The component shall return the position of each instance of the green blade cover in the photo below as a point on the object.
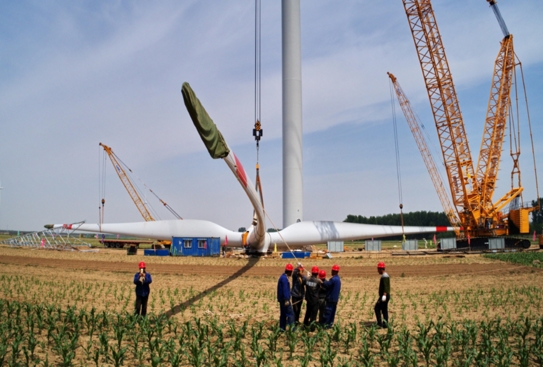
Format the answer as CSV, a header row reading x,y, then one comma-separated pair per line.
x,y
211,136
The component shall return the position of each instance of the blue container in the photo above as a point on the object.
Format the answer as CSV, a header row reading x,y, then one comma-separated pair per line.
x,y
297,254
159,252
195,246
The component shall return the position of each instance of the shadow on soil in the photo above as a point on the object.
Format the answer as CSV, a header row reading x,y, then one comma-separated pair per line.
x,y
182,306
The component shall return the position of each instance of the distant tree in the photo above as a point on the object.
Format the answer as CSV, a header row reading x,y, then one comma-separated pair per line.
x,y
537,217
242,229
420,218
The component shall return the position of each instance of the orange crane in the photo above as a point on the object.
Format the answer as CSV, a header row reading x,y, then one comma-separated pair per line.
x,y
471,189
145,213
413,123
129,186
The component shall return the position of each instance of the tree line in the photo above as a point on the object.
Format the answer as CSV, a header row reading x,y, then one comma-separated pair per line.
x,y
421,218
426,218
537,217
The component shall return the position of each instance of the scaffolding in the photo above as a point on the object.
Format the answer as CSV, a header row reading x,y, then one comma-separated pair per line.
x,y
49,239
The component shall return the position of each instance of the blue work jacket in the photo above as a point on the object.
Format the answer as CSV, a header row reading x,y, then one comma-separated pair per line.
x,y
142,289
333,287
283,289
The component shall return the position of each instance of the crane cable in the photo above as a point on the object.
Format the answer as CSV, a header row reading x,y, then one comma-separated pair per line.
x,y
397,148
257,130
531,136
101,186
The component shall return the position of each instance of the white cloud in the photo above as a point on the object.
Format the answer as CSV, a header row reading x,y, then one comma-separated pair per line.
x,y
76,74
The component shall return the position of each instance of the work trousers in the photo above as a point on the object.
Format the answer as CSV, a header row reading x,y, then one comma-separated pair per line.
x,y
141,305
322,308
297,307
286,315
329,314
381,307
311,314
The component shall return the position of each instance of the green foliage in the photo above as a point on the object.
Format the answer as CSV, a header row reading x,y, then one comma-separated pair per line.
x,y
126,339
537,217
422,218
524,258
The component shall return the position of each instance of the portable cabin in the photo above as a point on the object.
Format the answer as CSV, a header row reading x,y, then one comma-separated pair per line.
x,y
195,246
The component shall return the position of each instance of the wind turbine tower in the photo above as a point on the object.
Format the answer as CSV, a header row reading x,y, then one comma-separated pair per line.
x,y
292,113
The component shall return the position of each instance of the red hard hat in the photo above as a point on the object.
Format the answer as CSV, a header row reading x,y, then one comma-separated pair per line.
x,y
335,267
315,270
289,267
142,265
381,265
322,274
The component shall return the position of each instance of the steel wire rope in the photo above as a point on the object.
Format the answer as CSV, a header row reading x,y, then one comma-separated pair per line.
x,y
257,130
279,233
101,186
531,135
138,190
397,150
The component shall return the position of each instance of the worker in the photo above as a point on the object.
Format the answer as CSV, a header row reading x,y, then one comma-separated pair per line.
x,y
286,314
142,279
384,296
322,296
333,289
312,288
298,291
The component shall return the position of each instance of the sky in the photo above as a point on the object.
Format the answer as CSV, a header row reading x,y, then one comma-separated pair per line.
x,y
77,73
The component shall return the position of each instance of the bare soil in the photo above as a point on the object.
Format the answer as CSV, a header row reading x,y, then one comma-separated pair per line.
x,y
252,271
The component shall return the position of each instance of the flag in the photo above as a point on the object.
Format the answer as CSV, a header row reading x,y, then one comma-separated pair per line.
x,y
435,240
205,245
534,236
226,240
469,242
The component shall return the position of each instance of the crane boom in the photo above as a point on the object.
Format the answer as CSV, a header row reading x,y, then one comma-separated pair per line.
x,y
498,14
472,190
495,127
128,184
426,155
446,110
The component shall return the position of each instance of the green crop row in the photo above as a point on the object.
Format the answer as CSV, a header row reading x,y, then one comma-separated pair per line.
x,y
524,258
47,335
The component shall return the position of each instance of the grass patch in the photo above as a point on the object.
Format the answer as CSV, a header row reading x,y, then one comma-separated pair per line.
x,y
525,258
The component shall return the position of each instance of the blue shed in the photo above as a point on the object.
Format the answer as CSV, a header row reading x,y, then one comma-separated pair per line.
x,y
195,246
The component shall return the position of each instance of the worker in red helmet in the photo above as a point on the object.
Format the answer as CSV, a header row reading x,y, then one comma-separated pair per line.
x,y
312,288
298,291
286,314
333,289
322,296
381,307
142,279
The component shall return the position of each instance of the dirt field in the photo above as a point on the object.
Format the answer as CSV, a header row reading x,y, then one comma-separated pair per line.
x,y
113,269
425,289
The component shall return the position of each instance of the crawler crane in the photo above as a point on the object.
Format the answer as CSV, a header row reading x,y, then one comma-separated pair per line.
x,y
131,189
426,155
471,188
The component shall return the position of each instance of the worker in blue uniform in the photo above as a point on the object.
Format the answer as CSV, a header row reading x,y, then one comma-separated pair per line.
x,y
142,279
333,289
298,291
286,313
